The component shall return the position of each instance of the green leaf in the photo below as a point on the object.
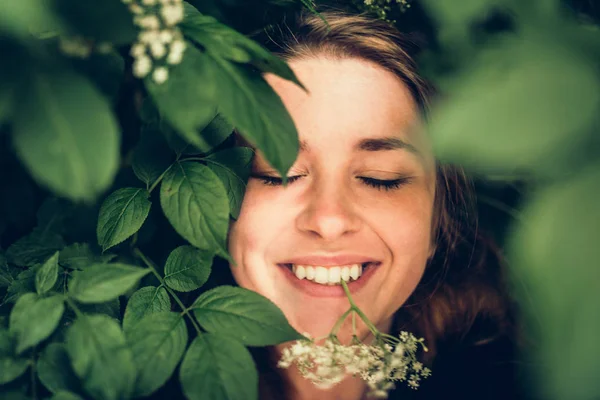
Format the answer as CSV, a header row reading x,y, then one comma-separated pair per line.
x,y
151,156
228,43
243,314
46,276
556,268
11,367
101,358
81,256
158,343
195,202
147,300
91,22
217,130
34,248
111,308
187,268
103,282
20,17
192,85
216,368
65,147
33,319
212,135
55,371
122,214
66,396
176,142
507,114
23,283
232,166
258,113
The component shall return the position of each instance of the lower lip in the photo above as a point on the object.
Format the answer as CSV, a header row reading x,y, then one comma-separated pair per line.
x,y
318,290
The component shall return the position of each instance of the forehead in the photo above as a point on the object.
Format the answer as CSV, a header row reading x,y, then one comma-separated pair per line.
x,y
348,99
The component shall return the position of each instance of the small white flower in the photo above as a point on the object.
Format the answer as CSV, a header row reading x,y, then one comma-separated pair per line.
x,y
379,394
158,50
142,66
160,75
166,36
172,13
148,22
138,50
178,45
148,36
148,2
174,57
413,384
136,9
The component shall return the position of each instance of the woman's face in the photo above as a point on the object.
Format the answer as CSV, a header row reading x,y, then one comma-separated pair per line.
x,y
359,201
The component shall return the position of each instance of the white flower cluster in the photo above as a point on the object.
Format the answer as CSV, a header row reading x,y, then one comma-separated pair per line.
x,y
379,365
401,2
383,7
160,42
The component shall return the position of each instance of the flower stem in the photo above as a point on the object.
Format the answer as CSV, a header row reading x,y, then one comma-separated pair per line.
x,y
157,181
357,310
347,291
74,307
184,310
339,322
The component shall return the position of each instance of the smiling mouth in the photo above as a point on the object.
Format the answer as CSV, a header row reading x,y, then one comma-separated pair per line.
x,y
330,275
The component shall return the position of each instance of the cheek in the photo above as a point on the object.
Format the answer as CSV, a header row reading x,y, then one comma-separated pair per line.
x,y
259,222
406,231
405,222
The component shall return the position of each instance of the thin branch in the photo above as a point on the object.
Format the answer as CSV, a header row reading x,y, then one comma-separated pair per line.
x,y
184,310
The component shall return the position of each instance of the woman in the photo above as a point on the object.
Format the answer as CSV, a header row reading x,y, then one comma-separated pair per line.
x,y
367,202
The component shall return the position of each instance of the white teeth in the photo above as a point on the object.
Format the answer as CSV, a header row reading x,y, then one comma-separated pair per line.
x,y
334,275
346,273
321,275
355,271
300,272
328,276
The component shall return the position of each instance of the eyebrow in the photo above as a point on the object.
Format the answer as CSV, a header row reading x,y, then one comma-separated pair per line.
x,y
376,144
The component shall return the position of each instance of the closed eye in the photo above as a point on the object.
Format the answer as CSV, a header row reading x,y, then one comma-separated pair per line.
x,y
274,180
380,184
383,184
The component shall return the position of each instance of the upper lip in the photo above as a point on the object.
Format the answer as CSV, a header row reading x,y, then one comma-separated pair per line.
x,y
329,260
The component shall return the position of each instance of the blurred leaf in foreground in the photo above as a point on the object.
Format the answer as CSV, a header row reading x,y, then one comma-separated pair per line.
x,y
557,254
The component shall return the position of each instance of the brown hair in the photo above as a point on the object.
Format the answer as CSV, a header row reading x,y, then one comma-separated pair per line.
x,y
463,284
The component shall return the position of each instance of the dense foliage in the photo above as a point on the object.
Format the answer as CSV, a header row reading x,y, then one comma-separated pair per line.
x,y
119,179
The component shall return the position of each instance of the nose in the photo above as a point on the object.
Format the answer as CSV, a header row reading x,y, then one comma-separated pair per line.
x,y
329,213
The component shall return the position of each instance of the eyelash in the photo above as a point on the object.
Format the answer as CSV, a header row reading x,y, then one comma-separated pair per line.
x,y
378,184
